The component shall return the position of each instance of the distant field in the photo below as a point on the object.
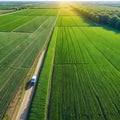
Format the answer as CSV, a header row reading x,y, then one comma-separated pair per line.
x,y
66,12
25,20
5,11
46,5
38,12
32,25
72,21
6,7
10,22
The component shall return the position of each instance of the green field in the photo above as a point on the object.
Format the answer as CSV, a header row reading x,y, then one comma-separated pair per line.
x,y
80,74
85,82
18,50
72,21
37,12
5,11
85,76
32,25
25,20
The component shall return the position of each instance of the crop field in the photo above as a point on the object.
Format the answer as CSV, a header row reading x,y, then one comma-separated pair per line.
x,y
69,18
5,11
38,12
19,46
10,22
25,20
66,12
32,25
85,82
80,74
45,5
72,21
11,5
85,75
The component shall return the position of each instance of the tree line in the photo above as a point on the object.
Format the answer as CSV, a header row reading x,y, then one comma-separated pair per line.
x,y
102,16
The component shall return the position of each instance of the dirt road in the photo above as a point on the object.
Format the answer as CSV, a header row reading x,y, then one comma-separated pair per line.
x,y
23,111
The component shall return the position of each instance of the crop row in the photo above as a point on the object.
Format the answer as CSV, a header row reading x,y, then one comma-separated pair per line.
x,y
107,43
85,84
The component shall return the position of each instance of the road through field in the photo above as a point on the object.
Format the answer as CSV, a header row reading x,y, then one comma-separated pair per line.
x,y
23,111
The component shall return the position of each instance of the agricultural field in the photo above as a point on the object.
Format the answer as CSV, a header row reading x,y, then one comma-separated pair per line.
x,y
32,25
37,12
5,11
85,82
72,21
69,18
80,75
85,79
6,5
45,5
22,38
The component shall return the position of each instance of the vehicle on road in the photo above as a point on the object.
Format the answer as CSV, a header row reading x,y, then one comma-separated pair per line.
x,y
33,80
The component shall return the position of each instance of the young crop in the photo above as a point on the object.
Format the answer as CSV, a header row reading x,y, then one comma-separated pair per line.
x,y
85,77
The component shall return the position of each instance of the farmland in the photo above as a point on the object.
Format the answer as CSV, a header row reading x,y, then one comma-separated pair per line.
x,y
5,11
19,47
85,82
85,79
80,74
